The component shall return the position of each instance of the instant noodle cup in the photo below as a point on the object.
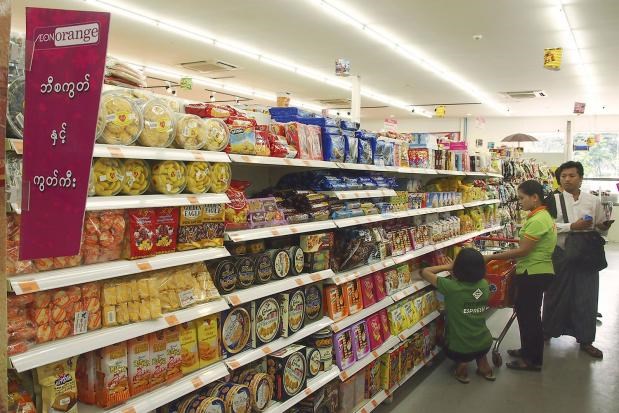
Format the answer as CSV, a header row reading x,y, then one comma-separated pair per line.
x,y
108,175
123,119
221,176
159,124
217,134
199,177
137,177
191,132
169,177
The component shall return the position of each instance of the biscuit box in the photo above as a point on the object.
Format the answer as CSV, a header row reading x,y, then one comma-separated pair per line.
x,y
292,306
288,367
266,321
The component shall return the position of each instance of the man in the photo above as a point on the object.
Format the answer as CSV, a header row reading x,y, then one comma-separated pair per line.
x,y
570,305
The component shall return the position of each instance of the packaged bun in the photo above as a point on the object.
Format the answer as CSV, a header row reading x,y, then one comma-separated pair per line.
x,y
123,119
217,133
191,132
159,124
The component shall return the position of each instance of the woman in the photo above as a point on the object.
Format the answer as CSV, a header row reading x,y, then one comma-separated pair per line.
x,y
534,272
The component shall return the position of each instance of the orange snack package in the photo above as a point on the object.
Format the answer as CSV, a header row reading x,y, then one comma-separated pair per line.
x,y
158,358
173,353
112,381
139,365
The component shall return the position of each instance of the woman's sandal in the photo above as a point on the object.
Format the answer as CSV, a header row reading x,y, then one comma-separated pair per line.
x,y
488,376
592,351
462,379
515,353
523,366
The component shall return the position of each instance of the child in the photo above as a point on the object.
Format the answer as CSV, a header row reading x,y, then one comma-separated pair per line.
x,y
466,301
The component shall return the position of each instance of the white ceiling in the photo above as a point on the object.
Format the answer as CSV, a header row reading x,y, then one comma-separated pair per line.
x,y
508,58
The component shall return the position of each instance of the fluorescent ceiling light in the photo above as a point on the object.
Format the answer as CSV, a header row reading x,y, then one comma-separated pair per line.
x,y
353,18
244,50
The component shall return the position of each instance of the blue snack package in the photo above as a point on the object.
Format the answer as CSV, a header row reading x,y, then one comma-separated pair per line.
x,y
351,183
366,182
330,130
349,125
290,111
379,159
347,213
347,132
388,154
366,151
333,148
352,149
327,183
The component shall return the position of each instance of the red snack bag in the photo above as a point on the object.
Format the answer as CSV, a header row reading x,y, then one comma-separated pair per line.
x,y
367,291
166,230
379,286
241,121
295,133
263,147
278,128
86,375
375,331
280,148
237,210
384,323
140,238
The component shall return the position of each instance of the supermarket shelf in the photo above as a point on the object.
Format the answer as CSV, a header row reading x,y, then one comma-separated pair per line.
x,y
261,233
342,277
145,152
413,254
313,385
361,315
360,364
370,193
418,326
259,291
248,356
57,350
272,161
418,285
48,280
494,175
166,394
97,203
368,219
484,202
416,171
448,172
414,371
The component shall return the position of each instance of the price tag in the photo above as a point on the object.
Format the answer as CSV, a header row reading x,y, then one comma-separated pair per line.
x,y
274,232
144,266
308,391
266,350
235,300
374,403
197,382
186,298
245,158
28,286
192,199
198,156
316,277
80,323
115,152
172,320
299,282
233,364
374,354
344,376
128,409
363,410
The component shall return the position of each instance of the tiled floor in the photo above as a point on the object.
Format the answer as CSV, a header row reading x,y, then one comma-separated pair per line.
x,y
571,381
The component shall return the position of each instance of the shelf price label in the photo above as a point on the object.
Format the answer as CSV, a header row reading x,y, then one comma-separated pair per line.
x,y
65,59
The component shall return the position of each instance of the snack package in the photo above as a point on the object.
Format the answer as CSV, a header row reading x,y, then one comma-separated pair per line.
x,y
344,354
237,210
221,176
352,297
137,177
380,289
104,232
159,124
263,147
384,323
108,175
112,381
374,331
86,375
191,228
140,238
361,344
367,291
209,340
191,132
58,386
189,348
169,177
213,225
242,140
122,117
295,134
217,135
334,148
13,264
166,229
173,353
139,365
157,346
264,212
198,177
22,331
209,110
366,151
352,149
313,142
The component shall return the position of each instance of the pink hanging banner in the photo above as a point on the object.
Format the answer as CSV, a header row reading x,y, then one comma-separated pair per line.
x,y
65,61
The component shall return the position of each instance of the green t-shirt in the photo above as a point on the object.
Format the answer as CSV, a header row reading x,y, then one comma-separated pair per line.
x,y
466,304
539,227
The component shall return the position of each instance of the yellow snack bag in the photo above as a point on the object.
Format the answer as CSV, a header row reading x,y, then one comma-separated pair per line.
x,y
209,349
189,348
58,386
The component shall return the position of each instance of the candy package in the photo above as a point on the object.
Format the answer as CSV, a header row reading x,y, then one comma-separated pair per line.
x,y
334,148
213,225
191,228
264,212
141,237
166,230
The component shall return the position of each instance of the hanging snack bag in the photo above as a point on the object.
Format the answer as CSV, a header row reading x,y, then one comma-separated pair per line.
x,y
140,239
112,381
58,386
166,229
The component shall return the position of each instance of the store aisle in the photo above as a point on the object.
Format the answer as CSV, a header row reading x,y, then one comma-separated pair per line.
x,y
571,381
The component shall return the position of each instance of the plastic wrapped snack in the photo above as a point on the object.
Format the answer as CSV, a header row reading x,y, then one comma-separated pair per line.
x,y
221,175
191,132
123,120
13,264
169,177
159,124
103,236
109,175
15,107
217,134
198,177
137,177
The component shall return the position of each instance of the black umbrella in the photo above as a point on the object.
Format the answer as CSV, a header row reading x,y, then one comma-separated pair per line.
x,y
519,137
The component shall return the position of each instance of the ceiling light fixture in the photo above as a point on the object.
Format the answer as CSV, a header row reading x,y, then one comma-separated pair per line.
x,y
242,49
353,18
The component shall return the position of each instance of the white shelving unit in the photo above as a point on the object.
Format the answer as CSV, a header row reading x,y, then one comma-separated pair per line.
x,y
360,364
145,152
361,315
166,394
46,353
418,326
261,233
248,356
342,277
259,291
360,194
98,203
47,280
480,203
272,161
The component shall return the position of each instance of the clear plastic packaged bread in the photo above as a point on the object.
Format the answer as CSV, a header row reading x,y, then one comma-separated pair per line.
x,y
169,177
221,175
123,119
191,132
218,135
198,177
159,124
137,177
108,176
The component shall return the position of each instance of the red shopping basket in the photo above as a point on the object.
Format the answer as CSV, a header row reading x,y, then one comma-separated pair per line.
x,y
499,275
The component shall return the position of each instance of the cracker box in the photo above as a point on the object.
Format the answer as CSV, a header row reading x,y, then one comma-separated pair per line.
x,y
112,375
374,331
360,338
384,323
173,353
334,302
343,345
396,319
418,343
352,297
139,365
379,286
372,379
288,367
189,347
209,340
367,291
158,358
392,281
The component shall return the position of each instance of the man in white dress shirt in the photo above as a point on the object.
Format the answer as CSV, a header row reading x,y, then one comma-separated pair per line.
x,y
570,304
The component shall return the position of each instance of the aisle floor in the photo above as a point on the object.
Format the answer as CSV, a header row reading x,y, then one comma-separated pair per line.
x,y
571,381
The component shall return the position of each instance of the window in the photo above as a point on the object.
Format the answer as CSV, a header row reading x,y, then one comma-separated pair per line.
x,y
599,154
546,143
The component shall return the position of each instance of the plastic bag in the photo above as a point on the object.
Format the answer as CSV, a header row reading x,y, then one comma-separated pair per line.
x,y
103,236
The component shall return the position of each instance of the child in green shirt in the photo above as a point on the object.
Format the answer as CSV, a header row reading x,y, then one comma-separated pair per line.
x,y
466,302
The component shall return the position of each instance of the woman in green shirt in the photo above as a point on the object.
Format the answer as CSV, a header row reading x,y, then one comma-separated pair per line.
x,y
466,302
534,273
